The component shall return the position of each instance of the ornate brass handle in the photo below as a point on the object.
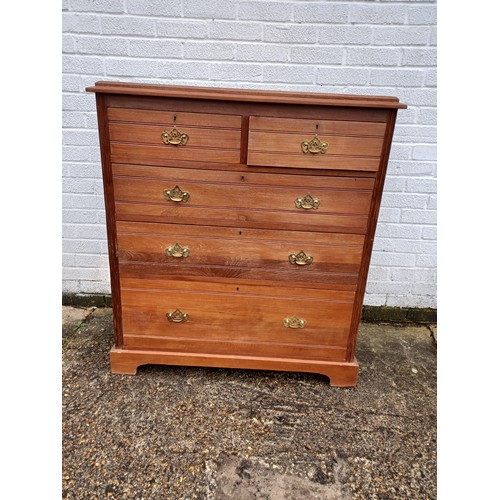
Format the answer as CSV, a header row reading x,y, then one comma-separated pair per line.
x,y
314,146
300,259
294,322
177,316
307,202
177,251
176,194
174,137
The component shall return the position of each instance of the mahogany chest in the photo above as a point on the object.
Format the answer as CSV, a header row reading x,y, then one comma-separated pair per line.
x,y
240,224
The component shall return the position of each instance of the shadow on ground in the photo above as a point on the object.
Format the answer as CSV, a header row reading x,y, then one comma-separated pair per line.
x,y
197,433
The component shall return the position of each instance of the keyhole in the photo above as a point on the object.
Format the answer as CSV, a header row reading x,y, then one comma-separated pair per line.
x,y
242,178
175,118
317,126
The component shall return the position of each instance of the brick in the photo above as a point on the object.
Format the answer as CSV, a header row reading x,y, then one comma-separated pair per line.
x,y
109,6
419,216
72,83
431,78
286,33
91,120
80,137
373,56
432,203
157,8
82,64
419,57
378,14
184,70
394,184
90,170
84,201
73,119
89,260
226,30
325,12
371,299
343,76
182,29
424,153
397,77
416,168
75,153
405,246
389,214
398,231
378,274
209,50
433,36
418,97
423,289
288,73
262,52
265,11
80,23
400,152
168,49
388,287
234,71
421,186
393,259
78,102
401,35
131,67
344,35
214,9
79,216
77,185
321,55
84,231
422,14
429,233
426,261
400,200
101,45
68,44
128,26
427,116
415,133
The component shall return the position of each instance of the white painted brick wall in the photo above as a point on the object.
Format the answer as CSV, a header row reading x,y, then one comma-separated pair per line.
x,y
378,47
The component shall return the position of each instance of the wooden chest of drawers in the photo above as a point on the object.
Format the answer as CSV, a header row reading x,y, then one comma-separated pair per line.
x,y
240,224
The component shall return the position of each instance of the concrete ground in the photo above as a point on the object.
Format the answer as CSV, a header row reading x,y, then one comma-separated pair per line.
x,y
196,433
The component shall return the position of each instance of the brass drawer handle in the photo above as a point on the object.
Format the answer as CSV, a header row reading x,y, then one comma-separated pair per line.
x,y
174,137
177,316
176,194
307,202
177,251
300,259
314,146
294,322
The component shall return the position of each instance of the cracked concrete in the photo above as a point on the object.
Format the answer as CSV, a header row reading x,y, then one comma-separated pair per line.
x,y
199,433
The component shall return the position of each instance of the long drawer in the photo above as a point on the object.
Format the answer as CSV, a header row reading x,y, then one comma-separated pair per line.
x,y
274,319
233,198
208,251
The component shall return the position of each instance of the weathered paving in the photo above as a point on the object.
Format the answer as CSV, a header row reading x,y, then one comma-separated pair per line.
x,y
196,433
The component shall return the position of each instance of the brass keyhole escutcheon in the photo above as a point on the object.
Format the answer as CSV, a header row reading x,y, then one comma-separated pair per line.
x,y
176,195
294,322
300,259
307,202
177,316
177,251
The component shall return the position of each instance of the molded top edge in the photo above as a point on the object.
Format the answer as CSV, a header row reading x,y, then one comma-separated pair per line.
x,y
249,95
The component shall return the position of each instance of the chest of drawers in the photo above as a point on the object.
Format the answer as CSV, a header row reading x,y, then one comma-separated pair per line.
x,y
240,224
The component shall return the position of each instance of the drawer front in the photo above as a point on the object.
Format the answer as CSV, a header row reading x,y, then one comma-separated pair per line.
x,y
318,144
144,136
255,314
238,198
242,254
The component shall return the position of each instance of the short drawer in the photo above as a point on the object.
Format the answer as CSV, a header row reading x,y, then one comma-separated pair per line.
x,y
242,198
147,136
276,320
317,144
196,252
